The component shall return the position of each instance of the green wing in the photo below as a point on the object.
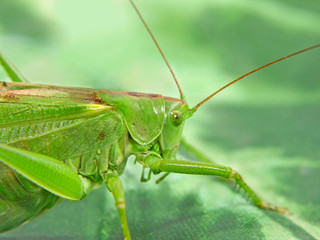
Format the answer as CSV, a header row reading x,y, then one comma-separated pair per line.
x,y
70,125
64,123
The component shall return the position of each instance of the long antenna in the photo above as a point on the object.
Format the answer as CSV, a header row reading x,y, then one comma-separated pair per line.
x,y
249,73
162,54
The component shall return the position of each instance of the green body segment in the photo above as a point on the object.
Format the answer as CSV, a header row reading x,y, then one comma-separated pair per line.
x,y
92,132
20,199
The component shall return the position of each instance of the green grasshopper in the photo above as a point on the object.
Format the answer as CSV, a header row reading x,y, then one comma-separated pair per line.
x,y
60,143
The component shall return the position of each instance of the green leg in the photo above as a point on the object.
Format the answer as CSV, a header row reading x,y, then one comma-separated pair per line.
x,y
200,168
160,179
114,185
143,178
13,73
49,173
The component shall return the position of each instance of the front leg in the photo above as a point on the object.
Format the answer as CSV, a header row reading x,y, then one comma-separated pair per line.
x,y
114,185
200,168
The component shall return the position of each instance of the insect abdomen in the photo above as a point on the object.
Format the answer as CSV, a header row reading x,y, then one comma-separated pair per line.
x,y
20,199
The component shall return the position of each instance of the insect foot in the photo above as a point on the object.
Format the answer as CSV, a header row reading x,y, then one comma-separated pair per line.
x,y
253,196
272,207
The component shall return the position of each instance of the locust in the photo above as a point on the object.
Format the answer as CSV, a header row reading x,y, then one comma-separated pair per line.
x,y
60,143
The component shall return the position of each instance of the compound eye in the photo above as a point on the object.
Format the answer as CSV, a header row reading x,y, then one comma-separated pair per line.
x,y
176,117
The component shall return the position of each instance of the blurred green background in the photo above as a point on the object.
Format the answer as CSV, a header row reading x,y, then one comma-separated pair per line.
x,y
266,126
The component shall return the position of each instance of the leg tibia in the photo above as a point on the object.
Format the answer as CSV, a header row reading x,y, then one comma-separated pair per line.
x,y
200,168
253,196
114,185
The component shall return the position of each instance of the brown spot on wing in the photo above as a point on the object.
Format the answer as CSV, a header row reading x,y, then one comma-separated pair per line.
x,y
8,96
97,99
102,135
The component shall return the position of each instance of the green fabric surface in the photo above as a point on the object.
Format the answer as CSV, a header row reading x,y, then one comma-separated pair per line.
x,y
266,126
